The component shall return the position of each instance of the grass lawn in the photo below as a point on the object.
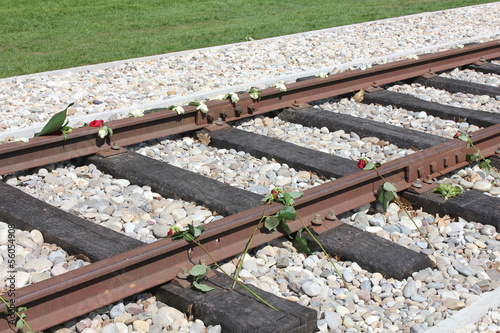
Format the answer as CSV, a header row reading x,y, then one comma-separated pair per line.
x,y
41,35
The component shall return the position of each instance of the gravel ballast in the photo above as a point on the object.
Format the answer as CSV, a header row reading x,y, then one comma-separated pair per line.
x,y
99,91
467,254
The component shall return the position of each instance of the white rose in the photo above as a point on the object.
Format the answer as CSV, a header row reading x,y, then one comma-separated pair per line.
x,y
234,98
179,109
281,86
202,107
102,132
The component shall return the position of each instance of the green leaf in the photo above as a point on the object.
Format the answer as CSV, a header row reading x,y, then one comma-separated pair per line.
x,y
200,229
287,213
178,235
385,197
369,166
390,187
485,165
471,157
296,195
199,270
187,236
271,222
448,190
286,228
202,287
389,196
300,243
19,324
195,231
268,198
440,190
55,123
380,196
287,199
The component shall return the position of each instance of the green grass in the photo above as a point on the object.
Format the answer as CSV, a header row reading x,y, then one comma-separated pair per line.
x,y
41,35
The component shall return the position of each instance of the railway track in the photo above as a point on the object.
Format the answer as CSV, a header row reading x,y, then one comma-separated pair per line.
x,y
122,266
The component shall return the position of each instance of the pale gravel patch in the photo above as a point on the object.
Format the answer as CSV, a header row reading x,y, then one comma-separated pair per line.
x,y
138,313
473,76
28,101
135,211
369,301
461,100
470,177
34,261
236,168
415,120
339,143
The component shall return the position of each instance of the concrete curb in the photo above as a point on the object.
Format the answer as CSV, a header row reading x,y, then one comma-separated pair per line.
x,y
469,314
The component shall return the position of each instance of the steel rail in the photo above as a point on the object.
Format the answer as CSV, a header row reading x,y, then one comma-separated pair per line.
x,y
84,141
75,293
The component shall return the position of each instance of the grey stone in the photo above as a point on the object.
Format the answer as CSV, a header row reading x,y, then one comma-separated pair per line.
x,y
259,189
482,186
392,228
418,298
435,285
282,261
409,289
488,230
421,275
110,328
214,329
38,265
57,254
454,228
197,327
333,319
160,230
366,285
52,179
377,221
462,270
362,219
348,275
117,310
154,329
451,271
453,304
311,289
418,328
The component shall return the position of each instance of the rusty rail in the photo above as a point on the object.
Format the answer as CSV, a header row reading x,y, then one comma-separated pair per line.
x,y
84,141
78,292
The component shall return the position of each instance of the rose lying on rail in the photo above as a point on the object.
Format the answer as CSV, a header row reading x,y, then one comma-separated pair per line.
x,y
58,125
103,130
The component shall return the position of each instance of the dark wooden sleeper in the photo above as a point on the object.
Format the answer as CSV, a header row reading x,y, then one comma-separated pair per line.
x,y
72,233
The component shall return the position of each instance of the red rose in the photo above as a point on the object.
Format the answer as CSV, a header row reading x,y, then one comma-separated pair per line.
x,y
96,123
173,230
456,135
274,193
362,163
